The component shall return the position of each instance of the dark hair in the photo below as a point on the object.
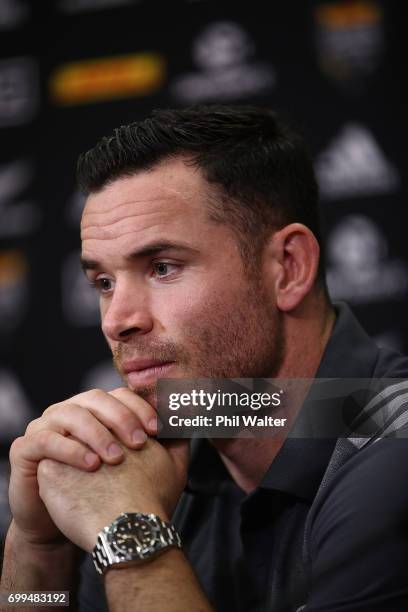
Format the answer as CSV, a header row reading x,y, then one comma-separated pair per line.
x,y
258,167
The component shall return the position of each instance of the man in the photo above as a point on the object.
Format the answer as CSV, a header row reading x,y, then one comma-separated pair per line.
x,y
200,234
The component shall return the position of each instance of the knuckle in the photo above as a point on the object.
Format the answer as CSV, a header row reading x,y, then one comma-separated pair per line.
x,y
62,413
73,452
79,423
32,424
51,409
133,402
126,419
85,420
127,397
43,438
102,438
120,392
129,421
93,394
122,395
45,468
15,448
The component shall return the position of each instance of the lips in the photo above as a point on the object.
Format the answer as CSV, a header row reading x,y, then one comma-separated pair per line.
x,y
146,371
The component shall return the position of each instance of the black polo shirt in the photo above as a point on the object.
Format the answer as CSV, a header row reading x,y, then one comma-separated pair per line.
x,y
247,550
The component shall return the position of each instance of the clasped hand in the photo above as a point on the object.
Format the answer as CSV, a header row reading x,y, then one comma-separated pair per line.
x,y
81,464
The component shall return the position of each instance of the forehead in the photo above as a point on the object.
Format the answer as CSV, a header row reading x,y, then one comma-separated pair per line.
x,y
172,193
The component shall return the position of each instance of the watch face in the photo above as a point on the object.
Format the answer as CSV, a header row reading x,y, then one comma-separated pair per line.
x,y
133,536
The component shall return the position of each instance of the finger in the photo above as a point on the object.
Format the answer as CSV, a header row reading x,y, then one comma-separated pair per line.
x,y
80,423
146,413
116,416
52,445
33,426
108,410
110,406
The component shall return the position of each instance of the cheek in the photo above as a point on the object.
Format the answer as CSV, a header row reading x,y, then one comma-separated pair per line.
x,y
179,320
206,314
183,305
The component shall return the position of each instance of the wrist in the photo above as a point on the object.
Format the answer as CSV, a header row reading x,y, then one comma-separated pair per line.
x,y
142,570
31,564
29,541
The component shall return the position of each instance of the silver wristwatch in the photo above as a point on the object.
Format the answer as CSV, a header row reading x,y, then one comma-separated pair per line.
x,y
131,538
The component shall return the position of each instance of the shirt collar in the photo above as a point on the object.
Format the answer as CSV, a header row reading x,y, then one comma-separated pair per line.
x,y
350,352
301,462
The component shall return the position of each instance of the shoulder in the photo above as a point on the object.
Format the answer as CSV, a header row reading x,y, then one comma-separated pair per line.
x,y
367,494
358,537
390,364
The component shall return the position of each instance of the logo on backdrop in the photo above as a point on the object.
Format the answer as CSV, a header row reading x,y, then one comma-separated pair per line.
x,y
80,302
349,40
13,289
223,53
19,91
12,13
107,78
18,216
353,165
15,411
77,6
359,268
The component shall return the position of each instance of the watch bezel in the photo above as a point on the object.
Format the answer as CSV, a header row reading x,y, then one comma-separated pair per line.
x,y
137,521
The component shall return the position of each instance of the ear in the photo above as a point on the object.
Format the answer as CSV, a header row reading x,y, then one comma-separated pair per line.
x,y
294,255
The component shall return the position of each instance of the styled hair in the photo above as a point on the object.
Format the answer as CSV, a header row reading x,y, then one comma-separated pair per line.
x,y
258,169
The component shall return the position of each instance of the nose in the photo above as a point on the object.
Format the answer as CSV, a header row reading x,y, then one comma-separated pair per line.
x,y
125,314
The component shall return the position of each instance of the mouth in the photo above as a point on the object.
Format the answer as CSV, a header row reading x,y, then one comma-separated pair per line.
x,y
146,372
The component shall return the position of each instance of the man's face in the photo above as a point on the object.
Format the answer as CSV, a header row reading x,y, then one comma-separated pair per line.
x,y
175,298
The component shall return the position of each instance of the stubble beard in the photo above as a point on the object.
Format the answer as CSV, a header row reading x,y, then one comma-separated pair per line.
x,y
239,339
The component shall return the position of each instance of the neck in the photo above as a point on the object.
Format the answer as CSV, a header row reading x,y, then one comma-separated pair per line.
x,y
248,459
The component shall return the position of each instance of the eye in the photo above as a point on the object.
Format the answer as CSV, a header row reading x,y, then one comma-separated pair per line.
x,y
103,284
164,269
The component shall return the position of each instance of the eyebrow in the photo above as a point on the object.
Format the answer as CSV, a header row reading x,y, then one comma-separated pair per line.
x,y
145,251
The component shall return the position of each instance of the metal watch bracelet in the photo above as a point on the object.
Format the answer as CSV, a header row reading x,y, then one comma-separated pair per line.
x,y
165,536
